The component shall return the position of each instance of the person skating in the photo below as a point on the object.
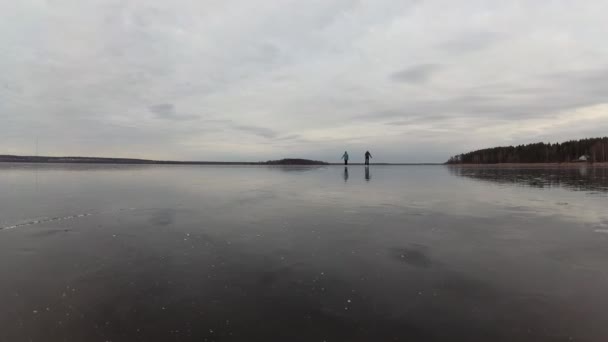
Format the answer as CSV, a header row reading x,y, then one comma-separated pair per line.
x,y
367,156
345,157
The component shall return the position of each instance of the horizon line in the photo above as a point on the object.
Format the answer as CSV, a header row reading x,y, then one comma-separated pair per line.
x,y
125,160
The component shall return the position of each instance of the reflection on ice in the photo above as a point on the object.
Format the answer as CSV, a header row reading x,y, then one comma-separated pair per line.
x,y
581,178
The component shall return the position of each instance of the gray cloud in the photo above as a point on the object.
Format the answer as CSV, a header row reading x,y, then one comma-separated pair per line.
x,y
260,131
163,109
413,120
290,137
546,96
471,42
167,111
420,73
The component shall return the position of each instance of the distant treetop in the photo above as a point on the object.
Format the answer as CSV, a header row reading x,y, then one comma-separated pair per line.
x,y
295,161
592,150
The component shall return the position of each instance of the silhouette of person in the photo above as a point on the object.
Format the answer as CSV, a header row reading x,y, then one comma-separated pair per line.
x,y
367,176
345,174
345,157
367,156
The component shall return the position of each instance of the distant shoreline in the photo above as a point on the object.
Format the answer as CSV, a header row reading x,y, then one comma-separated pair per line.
x,y
61,160
531,165
282,162
134,161
573,151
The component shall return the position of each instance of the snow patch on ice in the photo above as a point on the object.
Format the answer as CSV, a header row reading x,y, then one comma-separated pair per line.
x,y
53,219
45,220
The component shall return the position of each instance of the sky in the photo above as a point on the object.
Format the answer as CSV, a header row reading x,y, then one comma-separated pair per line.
x,y
242,80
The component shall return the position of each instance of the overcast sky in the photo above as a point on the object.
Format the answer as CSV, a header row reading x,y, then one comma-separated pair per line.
x,y
412,81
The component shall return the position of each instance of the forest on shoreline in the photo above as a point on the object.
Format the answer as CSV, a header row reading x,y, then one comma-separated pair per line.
x,y
584,150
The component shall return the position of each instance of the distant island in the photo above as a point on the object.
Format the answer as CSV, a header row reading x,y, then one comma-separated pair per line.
x,y
97,160
290,161
593,150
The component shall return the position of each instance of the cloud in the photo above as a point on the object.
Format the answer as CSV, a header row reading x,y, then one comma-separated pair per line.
x,y
415,74
163,109
290,137
260,131
471,42
166,111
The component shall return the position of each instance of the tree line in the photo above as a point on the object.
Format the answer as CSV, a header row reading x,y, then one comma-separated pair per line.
x,y
594,149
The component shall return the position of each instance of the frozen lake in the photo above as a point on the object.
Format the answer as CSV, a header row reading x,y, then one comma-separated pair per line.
x,y
255,253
